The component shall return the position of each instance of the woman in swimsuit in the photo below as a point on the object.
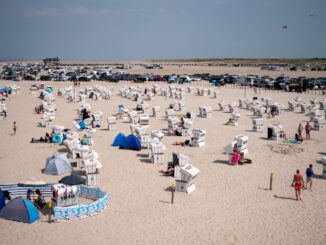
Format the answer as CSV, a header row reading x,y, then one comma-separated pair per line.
x,y
300,129
298,184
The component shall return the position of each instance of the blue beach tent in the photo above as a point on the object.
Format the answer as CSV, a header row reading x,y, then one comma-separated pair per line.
x,y
131,143
118,139
19,209
2,200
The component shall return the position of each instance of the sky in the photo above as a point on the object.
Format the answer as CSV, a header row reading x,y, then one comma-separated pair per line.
x,y
161,29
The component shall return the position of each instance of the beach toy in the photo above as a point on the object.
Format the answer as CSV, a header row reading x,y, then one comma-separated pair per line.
x,y
82,124
56,138
49,90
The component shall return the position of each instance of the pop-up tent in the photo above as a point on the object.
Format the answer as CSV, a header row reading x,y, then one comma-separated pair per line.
x,y
20,209
58,164
118,139
131,143
2,200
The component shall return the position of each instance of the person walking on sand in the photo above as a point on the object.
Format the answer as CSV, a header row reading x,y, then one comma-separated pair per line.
x,y
300,129
308,129
309,174
298,184
14,128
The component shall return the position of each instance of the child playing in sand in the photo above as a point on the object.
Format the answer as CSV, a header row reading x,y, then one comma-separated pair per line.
x,y
309,174
14,128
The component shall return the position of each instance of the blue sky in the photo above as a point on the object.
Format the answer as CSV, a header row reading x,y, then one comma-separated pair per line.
x,y
162,29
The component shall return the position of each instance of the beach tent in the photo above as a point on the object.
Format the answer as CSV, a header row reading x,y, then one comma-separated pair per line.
x,y
57,164
73,180
2,200
118,139
131,143
20,209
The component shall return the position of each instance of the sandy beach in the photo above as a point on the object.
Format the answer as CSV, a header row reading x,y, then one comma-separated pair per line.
x,y
232,204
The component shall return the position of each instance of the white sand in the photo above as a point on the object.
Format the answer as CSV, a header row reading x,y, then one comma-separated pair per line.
x,y
230,206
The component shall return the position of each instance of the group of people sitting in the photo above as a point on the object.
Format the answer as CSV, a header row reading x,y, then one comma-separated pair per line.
x,y
39,201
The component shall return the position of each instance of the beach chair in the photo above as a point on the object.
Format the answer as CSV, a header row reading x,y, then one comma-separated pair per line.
x,y
319,123
156,152
234,118
143,119
257,124
156,111
232,106
221,105
188,174
157,134
323,161
179,160
112,123
198,137
133,116
275,131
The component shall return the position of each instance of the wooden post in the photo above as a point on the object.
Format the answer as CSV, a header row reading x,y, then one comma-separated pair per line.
x,y
172,192
271,181
49,211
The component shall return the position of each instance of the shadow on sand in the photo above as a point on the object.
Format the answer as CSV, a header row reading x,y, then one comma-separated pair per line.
x,y
285,198
222,162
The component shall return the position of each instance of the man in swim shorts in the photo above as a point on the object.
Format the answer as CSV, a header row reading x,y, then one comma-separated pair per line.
x,y
298,184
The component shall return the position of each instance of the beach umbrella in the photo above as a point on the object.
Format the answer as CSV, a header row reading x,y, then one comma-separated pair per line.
x,y
73,180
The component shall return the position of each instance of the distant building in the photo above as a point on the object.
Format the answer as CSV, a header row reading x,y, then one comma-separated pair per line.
x,y
51,61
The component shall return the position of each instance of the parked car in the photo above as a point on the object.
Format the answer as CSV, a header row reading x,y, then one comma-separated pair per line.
x,y
158,78
216,80
299,84
45,78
